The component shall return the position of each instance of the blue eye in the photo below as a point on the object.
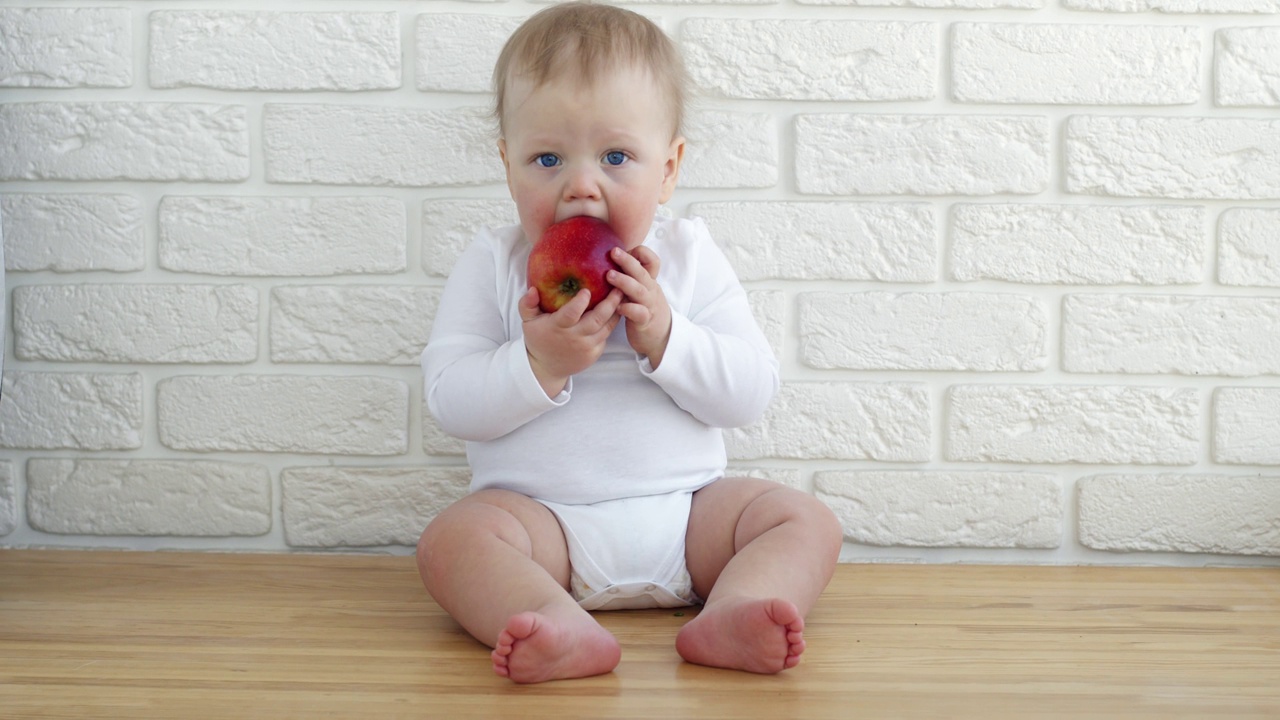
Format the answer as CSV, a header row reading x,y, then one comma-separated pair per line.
x,y
615,157
547,160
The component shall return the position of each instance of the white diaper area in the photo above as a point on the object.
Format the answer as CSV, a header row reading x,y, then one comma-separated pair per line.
x,y
628,554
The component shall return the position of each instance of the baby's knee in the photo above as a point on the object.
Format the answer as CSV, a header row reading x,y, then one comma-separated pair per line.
x,y
445,537
812,513
429,550
829,527
466,524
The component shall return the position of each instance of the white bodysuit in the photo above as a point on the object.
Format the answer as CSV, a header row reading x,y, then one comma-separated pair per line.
x,y
619,452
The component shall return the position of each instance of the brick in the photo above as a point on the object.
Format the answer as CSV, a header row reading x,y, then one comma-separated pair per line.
x,y
945,509
730,150
1207,158
941,4
1073,423
136,323
1176,6
811,59
1246,426
385,324
376,145
921,154
700,3
457,52
74,411
790,477
1246,67
769,307
73,233
66,47
1249,247
280,413
1187,335
449,226
282,236
983,332
895,242
365,506
840,421
1077,244
231,50
1075,64
8,507
435,441
1222,514
124,141
148,497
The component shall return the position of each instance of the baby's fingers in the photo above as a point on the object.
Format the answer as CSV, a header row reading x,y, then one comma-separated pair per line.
x,y
630,265
629,285
607,308
571,312
636,314
528,305
648,260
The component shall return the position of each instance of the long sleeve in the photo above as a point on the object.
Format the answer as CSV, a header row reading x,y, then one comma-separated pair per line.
x,y
477,378
718,365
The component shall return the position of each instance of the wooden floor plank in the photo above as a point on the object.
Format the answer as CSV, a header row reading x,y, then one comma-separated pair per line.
x,y
186,635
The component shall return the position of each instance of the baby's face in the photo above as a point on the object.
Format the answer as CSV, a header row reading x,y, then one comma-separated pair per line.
x,y
604,150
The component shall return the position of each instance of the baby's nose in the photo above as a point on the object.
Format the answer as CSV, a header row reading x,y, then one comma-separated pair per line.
x,y
582,184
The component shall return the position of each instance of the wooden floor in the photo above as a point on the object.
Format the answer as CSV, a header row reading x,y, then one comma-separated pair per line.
x,y
167,635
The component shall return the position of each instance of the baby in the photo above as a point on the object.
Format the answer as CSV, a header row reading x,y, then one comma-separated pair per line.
x,y
594,437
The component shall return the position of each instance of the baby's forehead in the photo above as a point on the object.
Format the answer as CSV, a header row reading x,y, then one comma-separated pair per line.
x,y
523,84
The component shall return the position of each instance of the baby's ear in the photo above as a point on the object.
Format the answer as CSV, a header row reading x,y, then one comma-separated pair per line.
x,y
671,169
506,161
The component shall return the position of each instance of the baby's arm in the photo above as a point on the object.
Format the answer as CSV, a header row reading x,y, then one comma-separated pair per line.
x,y
477,381
483,379
717,364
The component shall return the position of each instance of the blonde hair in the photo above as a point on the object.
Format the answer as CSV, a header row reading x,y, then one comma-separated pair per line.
x,y
589,39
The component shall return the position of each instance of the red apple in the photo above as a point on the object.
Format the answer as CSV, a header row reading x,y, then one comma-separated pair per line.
x,y
572,255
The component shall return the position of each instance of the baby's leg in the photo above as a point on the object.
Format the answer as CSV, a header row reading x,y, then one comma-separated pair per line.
x,y
497,562
760,554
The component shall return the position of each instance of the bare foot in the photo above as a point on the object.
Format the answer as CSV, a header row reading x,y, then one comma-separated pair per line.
x,y
536,647
759,636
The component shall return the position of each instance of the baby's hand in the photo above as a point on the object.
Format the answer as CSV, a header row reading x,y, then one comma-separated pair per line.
x,y
568,341
646,310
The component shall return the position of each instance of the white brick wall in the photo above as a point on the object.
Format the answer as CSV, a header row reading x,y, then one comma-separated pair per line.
x,y
772,60
148,497
251,236
1249,247
873,154
981,332
169,141
1075,64
74,411
1247,66
946,509
274,51
1111,425
95,232
1078,244
66,47
353,506
1208,158
1019,260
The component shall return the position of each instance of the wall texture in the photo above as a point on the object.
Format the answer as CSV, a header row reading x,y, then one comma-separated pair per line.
x,y
1020,260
